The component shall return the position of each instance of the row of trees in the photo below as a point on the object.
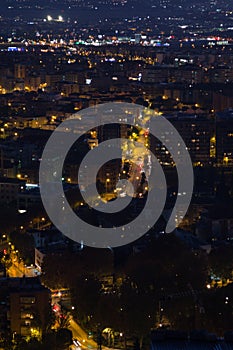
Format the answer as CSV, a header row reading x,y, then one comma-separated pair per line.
x,y
165,282
56,340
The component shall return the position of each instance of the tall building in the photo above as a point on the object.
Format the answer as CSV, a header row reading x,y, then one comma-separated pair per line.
x,y
26,306
199,137
109,173
224,138
20,71
10,189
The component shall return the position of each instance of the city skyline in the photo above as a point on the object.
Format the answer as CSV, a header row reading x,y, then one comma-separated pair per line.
x,y
163,71
100,9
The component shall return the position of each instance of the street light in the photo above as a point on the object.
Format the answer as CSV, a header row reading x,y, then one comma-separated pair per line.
x,y
107,182
99,339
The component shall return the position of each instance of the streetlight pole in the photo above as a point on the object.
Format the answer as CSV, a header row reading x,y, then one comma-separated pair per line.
x,y
99,339
107,182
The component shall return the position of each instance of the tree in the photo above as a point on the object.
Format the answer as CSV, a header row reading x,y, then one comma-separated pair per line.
x,y
218,309
61,269
108,311
85,294
137,311
221,262
166,267
98,262
167,264
63,339
24,243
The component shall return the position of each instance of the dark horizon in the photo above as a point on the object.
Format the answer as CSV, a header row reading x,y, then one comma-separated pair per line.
x,y
86,11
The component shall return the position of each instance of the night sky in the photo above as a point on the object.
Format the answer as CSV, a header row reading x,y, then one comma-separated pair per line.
x,y
85,9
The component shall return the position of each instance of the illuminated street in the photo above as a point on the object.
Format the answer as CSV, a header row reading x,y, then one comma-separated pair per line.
x,y
80,335
18,269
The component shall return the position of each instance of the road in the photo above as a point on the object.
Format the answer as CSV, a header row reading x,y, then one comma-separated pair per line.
x,y
139,157
82,337
18,268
